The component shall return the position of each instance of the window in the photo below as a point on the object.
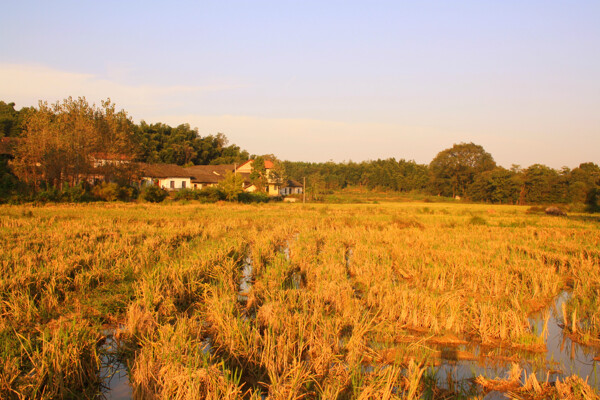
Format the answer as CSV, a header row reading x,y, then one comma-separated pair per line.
x,y
172,184
183,185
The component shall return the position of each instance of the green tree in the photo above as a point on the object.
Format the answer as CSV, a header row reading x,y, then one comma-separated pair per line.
x,y
315,186
232,186
161,143
542,184
454,169
11,120
496,186
258,176
277,174
582,181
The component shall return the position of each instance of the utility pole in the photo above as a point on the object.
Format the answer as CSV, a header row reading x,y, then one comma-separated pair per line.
x,y
304,191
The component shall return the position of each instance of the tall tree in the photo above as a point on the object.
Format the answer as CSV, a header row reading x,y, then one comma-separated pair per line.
x,y
60,141
542,184
11,120
454,169
496,186
583,180
161,143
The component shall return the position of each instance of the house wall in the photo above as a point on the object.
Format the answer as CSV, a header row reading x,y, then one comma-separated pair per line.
x,y
178,183
165,183
246,168
285,191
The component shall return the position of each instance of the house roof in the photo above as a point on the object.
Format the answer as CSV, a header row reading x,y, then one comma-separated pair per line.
x,y
164,171
268,164
293,183
209,173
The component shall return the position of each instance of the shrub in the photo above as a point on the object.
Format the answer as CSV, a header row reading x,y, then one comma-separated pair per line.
x,y
48,195
186,194
154,194
76,194
210,195
592,200
255,197
106,191
112,192
477,220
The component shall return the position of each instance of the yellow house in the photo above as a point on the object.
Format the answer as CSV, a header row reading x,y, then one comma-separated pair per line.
x,y
273,187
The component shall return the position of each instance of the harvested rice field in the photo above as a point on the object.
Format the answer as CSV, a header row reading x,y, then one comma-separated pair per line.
x,y
292,301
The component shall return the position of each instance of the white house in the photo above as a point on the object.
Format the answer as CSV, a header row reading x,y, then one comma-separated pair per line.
x,y
166,176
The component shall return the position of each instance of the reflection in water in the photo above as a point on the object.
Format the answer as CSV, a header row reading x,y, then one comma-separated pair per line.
x,y
569,357
113,373
207,347
563,357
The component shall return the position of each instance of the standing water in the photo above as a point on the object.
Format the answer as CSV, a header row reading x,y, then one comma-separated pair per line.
x,y
569,357
562,358
246,279
115,380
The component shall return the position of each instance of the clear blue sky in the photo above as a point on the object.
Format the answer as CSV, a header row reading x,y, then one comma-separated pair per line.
x,y
320,80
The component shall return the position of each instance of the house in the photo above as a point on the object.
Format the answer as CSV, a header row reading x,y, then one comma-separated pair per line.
x,y
291,187
208,175
109,159
272,187
175,177
166,176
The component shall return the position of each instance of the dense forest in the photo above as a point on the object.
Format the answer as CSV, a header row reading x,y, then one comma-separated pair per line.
x,y
465,171
60,138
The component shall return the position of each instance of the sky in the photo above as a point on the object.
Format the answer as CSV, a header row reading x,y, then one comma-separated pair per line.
x,y
326,80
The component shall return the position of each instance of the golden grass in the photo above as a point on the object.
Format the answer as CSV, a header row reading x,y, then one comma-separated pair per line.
x,y
347,301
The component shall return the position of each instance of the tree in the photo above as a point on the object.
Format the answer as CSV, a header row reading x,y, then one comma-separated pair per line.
x,y
11,120
232,185
161,143
496,186
277,174
315,186
258,176
454,169
542,184
583,180
60,140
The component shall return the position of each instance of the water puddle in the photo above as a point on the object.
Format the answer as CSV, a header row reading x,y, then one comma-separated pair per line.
x,y
207,346
562,358
569,357
113,372
246,279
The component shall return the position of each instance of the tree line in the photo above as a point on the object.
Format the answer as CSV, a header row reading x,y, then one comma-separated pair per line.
x,y
464,171
56,142
151,143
